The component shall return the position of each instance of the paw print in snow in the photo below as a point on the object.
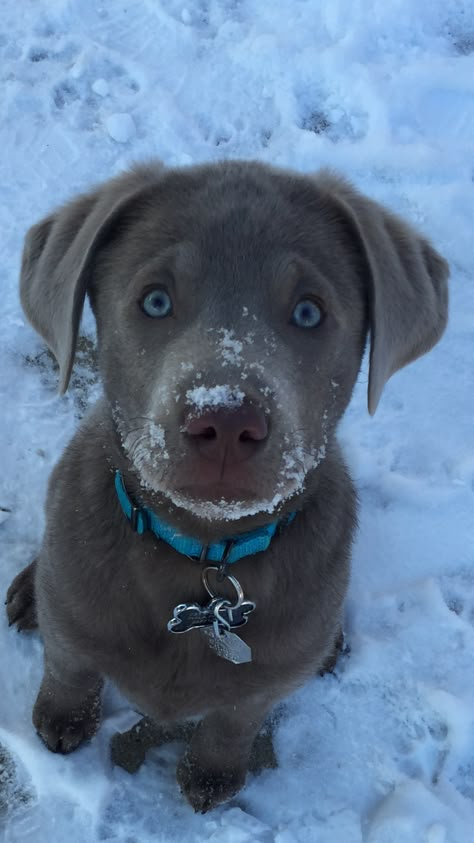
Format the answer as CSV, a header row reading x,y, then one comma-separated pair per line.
x,y
422,748
458,593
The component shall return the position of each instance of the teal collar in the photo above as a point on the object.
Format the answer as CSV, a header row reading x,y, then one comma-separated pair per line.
x,y
228,551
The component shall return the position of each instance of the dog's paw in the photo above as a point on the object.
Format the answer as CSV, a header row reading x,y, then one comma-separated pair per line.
x,y
62,731
20,602
205,789
341,648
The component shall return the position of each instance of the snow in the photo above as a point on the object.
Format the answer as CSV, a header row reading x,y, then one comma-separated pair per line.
x,y
229,509
382,751
4,513
120,127
145,444
100,87
229,348
221,395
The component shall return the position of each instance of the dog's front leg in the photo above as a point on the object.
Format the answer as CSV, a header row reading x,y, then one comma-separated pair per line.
x,y
215,764
68,707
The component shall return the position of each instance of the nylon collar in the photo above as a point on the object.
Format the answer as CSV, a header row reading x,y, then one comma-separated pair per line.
x,y
229,550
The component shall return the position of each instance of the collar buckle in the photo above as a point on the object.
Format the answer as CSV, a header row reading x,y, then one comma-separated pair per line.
x,y
229,544
139,520
222,569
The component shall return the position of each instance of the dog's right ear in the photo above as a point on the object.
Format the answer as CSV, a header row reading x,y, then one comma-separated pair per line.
x,y
58,255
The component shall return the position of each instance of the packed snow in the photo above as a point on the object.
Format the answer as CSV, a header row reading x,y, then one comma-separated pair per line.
x,y
382,751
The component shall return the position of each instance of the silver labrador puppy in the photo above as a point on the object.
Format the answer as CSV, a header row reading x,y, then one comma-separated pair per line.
x,y
205,493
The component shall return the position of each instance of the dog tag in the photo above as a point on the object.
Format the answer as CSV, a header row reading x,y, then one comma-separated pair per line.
x,y
216,620
228,645
225,643
188,616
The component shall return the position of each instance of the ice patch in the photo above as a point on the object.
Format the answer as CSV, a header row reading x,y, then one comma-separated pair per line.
x,y
215,396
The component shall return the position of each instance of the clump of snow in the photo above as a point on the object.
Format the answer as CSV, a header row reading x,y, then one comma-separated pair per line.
x,y
157,436
221,395
294,466
144,443
120,127
229,348
100,87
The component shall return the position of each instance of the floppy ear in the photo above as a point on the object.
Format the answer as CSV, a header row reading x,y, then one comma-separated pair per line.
x,y
407,285
57,259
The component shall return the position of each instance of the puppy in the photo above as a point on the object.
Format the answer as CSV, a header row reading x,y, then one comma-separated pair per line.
x,y
199,524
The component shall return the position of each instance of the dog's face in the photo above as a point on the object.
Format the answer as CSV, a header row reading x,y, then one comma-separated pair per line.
x,y
233,303
232,320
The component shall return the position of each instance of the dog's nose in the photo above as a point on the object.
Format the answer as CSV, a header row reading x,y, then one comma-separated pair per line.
x,y
230,434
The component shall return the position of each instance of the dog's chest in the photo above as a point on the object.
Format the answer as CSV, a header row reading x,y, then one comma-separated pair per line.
x,y
179,677
176,675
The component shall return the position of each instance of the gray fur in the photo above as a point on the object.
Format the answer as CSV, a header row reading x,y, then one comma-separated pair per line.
x,y
237,244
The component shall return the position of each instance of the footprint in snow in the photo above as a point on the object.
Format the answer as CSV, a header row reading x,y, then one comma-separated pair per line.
x,y
423,749
458,594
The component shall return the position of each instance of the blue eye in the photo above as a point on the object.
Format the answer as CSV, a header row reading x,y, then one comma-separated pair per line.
x,y
157,303
306,314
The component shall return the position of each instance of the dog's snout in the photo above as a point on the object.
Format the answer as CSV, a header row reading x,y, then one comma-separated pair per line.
x,y
230,434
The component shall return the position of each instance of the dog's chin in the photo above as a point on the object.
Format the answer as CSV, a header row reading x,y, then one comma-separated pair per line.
x,y
217,493
218,509
222,504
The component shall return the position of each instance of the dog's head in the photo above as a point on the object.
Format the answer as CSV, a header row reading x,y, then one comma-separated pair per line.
x,y
233,302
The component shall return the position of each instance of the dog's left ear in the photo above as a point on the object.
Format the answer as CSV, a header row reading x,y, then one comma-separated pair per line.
x,y
407,284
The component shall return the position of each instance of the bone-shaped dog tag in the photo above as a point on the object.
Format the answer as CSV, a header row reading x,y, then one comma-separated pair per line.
x,y
190,616
185,616
233,616
216,620
228,645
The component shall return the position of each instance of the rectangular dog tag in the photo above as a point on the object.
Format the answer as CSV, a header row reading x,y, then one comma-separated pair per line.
x,y
228,645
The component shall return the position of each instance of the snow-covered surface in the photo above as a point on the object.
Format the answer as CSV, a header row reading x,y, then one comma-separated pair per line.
x,y
382,752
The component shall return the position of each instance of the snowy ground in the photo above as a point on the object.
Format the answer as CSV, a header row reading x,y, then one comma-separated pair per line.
x,y
383,752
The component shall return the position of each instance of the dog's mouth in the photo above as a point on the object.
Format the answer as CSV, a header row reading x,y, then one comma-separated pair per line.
x,y
227,501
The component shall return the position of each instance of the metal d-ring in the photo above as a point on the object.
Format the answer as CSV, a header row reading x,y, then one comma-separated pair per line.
x,y
233,580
